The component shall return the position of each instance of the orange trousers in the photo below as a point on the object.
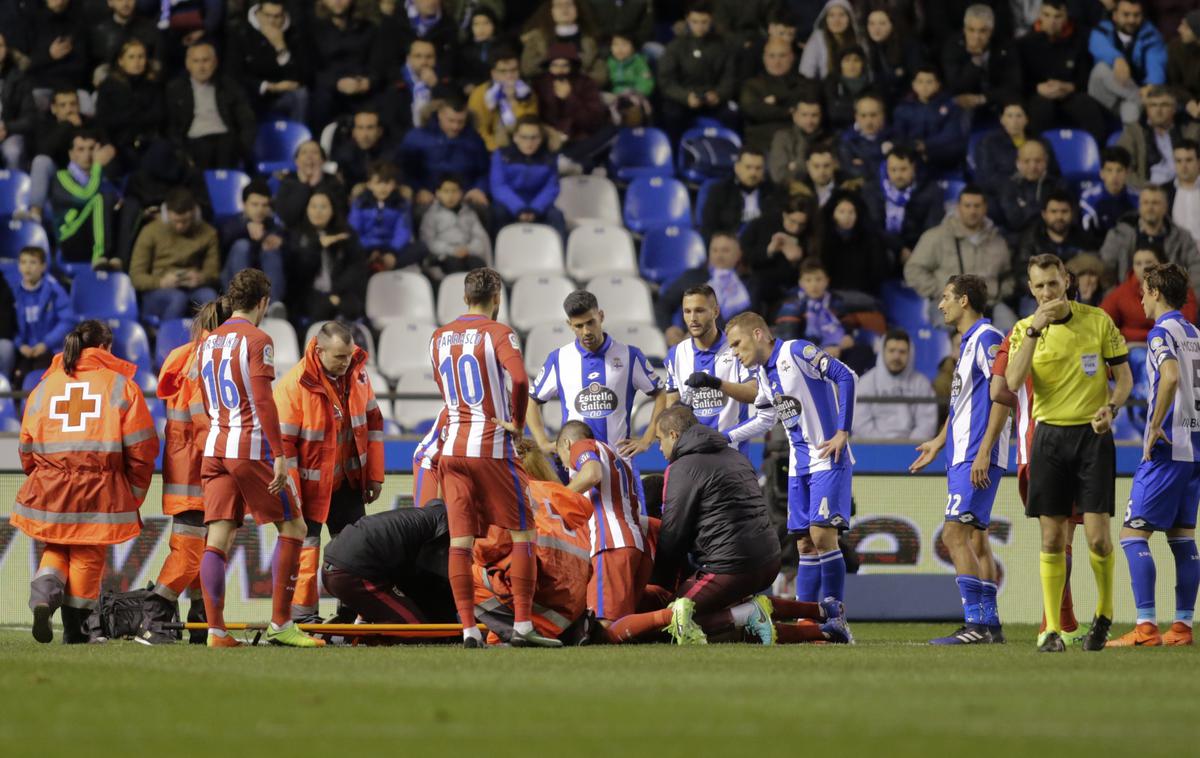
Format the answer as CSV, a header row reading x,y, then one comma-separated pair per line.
x,y
181,569
69,575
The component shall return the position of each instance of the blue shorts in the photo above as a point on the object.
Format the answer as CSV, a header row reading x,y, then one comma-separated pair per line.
x,y
968,504
1164,495
819,499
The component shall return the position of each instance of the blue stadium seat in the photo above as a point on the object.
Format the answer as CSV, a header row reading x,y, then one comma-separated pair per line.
x,y
973,146
702,198
15,235
14,192
903,307
30,382
1113,138
225,191
158,412
707,152
1076,151
130,342
950,191
171,334
147,380
104,294
276,144
9,420
668,252
644,151
652,202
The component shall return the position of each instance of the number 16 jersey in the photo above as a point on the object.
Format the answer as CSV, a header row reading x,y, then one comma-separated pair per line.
x,y
230,357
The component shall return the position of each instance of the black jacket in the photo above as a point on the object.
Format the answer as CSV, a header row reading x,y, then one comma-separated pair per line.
x,y
924,211
252,60
722,211
45,27
106,36
998,80
348,273
8,313
714,510
232,104
19,111
1064,58
132,111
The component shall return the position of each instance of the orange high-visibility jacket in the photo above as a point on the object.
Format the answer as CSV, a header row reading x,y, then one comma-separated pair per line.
x,y
564,555
309,418
179,389
88,446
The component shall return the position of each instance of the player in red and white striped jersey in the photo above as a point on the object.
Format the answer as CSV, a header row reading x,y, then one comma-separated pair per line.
x,y
426,484
481,475
243,468
617,541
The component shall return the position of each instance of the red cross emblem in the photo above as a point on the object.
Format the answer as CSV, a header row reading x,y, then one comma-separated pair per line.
x,y
75,406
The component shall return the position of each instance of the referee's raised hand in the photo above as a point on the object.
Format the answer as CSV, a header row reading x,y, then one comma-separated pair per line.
x,y
1051,311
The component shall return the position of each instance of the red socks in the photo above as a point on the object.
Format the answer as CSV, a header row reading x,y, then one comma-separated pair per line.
x,y
631,627
287,565
462,584
522,576
790,634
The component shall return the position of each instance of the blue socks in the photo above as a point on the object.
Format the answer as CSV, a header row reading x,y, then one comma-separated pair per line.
x,y
971,590
1187,577
1143,575
991,611
832,575
808,579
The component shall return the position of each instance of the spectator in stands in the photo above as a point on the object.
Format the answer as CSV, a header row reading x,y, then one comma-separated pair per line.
x,y
310,177
948,19
930,121
498,105
58,45
563,22
83,202
1124,302
1152,144
1022,196
851,250
176,263
966,240
810,312
163,167
892,56
894,376
524,180
696,74
445,145
996,153
862,148
1183,64
836,29
1150,228
824,176
1088,270
901,206
571,106
1106,201
268,57
18,112
326,268
743,21
453,232
209,115
735,293
766,100
1054,65
737,200
981,71
1130,56
1054,231
842,88
44,315
382,219
8,328
130,106
108,35
483,39
630,19
254,239
775,245
52,138
368,143
780,27
184,23
1184,193
414,87
789,147
630,82
346,57
422,20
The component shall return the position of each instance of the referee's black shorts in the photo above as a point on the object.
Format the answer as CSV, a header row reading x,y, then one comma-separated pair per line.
x,y
1071,467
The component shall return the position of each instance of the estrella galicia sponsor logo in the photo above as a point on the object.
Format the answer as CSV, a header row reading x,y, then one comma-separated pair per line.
x,y
788,409
706,402
595,401
955,387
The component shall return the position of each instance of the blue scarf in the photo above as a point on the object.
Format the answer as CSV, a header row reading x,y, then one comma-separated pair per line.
x,y
420,24
731,292
821,326
422,93
494,98
895,201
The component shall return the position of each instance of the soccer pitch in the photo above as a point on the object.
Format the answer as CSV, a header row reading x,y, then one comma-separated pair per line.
x,y
890,695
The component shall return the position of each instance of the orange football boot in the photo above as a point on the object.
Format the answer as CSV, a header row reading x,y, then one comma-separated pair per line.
x,y
226,641
1143,635
1179,634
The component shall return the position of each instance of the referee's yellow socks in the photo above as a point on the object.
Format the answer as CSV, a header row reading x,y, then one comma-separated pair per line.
x,y
1053,569
1102,567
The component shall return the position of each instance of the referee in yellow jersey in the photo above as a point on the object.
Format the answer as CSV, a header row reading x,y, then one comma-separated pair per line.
x,y
1069,348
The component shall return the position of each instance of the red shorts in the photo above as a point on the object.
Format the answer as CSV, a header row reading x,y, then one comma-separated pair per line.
x,y
483,492
233,486
1023,488
426,485
618,577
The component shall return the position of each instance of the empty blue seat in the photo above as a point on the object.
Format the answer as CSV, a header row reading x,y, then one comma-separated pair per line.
x,y
276,143
668,252
30,382
130,342
1076,152
14,192
15,235
707,152
644,151
1113,138
702,198
653,202
171,334
225,191
104,295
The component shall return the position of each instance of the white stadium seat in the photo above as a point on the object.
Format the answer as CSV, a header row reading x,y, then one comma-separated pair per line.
x,y
588,198
623,297
644,336
400,294
537,299
411,414
381,387
287,349
403,346
450,300
528,248
596,248
541,340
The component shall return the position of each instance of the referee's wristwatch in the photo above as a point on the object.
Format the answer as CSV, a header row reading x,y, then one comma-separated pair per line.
x,y
1112,409
1032,333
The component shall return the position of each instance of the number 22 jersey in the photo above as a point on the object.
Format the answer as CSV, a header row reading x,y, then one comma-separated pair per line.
x,y
231,357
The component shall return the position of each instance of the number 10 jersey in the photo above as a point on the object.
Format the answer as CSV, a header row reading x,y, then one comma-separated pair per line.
x,y
230,357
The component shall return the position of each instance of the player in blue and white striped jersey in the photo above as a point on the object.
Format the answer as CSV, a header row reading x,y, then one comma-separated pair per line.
x,y
812,394
976,433
1166,487
703,373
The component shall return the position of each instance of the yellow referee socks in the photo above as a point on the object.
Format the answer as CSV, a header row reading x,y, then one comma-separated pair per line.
x,y
1102,567
1053,569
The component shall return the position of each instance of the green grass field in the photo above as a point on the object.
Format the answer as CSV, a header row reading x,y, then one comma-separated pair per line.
x,y
890,695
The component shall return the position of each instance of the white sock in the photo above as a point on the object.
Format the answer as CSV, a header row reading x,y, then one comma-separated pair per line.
x,y
218,632
1185,622
472,632
742,613
523,627
276,627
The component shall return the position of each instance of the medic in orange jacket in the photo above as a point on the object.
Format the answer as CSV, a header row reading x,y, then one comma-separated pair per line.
x,y
333,433
87,447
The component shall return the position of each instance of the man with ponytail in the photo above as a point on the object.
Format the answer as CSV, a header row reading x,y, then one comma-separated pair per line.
x,y
244,467
88,448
